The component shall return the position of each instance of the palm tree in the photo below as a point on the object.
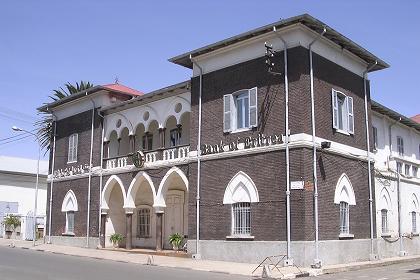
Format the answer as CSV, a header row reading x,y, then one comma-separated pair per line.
x,y
45,125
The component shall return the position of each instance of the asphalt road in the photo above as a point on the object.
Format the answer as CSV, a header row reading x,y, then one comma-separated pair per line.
x,y
403,271
21,264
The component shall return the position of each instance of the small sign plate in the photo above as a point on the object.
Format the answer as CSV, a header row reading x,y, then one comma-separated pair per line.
x,y
297,185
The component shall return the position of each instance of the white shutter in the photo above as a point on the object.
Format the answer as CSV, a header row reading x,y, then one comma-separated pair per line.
x,y
70,155
227,113
334,108
75,142
253,108
351,114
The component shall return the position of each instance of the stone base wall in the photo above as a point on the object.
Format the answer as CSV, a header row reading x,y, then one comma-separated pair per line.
x,y
74,241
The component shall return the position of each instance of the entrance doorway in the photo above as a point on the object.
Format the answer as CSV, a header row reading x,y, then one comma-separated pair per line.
x,y
174,215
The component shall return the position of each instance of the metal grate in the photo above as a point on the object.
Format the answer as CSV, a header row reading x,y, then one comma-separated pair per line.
x,y
344,217
384,215
143,224
241,217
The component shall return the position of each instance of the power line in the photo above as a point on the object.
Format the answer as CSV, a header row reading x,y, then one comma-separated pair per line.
x,y
14,140
17,135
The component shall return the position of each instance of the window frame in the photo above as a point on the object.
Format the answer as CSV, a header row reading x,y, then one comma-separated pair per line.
x,y
400,145
243,230
415,171
73,142
413,221
375,138
148,227
344,218
347,112
177,139
384,222
399,167
67,229
407,168
147,141
230,110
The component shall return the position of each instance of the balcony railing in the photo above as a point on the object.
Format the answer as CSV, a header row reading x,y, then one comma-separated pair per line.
x,y
150,157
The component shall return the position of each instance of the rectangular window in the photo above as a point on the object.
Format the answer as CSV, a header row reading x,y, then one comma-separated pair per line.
x,y
415,171
143,223
241,219
70,222
343,112
344,218
384,218
240,110
175,137
400,145
72,155
407,169
413,222
147,142
399,167
375,138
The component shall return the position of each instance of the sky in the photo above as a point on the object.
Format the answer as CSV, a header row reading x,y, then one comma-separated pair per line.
x,y
44,44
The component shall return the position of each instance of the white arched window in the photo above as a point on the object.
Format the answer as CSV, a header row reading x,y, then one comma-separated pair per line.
x,y
344,196
240,193
413,213
69,206
385,207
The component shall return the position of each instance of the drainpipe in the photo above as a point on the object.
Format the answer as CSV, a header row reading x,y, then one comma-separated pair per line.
x,y
52,178
197,248
90,172
100,175
317,261
286,89
373,256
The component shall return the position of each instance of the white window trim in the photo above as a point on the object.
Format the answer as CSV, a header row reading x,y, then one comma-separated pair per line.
x,y
232,225
347,100
74,147
64,208
67,232
232,112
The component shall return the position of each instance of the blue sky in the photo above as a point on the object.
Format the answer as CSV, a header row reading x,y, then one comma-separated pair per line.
x,y
44,44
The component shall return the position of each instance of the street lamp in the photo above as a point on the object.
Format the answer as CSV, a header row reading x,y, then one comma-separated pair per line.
x,y
15,128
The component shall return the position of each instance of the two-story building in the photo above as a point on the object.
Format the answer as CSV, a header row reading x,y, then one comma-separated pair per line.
x,y
246,160
396,141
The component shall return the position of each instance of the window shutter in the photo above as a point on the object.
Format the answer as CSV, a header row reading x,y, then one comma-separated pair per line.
x,y
253,112
335,108
69,157
227,113
76,139
351,115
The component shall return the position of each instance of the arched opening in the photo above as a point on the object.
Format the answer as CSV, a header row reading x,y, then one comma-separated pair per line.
x,y
69,207
113,144
113,201
173,133
185,126
151,139
124,147
344,196
385,208
141,197
140,130
173,197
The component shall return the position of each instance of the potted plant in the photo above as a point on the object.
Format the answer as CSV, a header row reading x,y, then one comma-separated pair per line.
x,y
11,222
116,239
176,240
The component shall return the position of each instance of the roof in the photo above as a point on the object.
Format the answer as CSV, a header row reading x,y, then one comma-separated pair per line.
x,y
305,19
115,88
160,92
22,165
416,118
394,115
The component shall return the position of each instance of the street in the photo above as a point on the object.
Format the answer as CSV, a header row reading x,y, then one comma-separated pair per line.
x,y
20,264
403,271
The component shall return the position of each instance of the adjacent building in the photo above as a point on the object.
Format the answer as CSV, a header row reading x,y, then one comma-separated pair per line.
x,y
17,194
267,150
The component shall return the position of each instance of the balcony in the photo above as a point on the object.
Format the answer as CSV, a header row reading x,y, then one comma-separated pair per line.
x,y
168,155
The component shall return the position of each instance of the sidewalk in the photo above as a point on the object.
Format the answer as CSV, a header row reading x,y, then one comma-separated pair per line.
x,y
244,269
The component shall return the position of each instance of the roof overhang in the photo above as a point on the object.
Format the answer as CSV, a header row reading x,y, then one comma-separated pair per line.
x,y
381,109
305,19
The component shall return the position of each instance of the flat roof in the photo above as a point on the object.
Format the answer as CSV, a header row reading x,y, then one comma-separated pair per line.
x,y
305,19
377,107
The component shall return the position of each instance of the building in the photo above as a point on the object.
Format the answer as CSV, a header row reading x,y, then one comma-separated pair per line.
x,y
396,141
246,160
17,193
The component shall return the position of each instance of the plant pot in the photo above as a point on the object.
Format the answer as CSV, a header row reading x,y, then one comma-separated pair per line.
x,y
8,234
175,247
116,245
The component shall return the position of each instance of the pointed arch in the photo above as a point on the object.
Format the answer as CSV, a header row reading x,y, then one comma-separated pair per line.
x,y
163,187
109,185
69,202
344,191
385,200
134,186
241,188
414,203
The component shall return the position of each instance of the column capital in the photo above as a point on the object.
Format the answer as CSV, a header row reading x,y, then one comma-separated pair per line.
x,y
129,210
